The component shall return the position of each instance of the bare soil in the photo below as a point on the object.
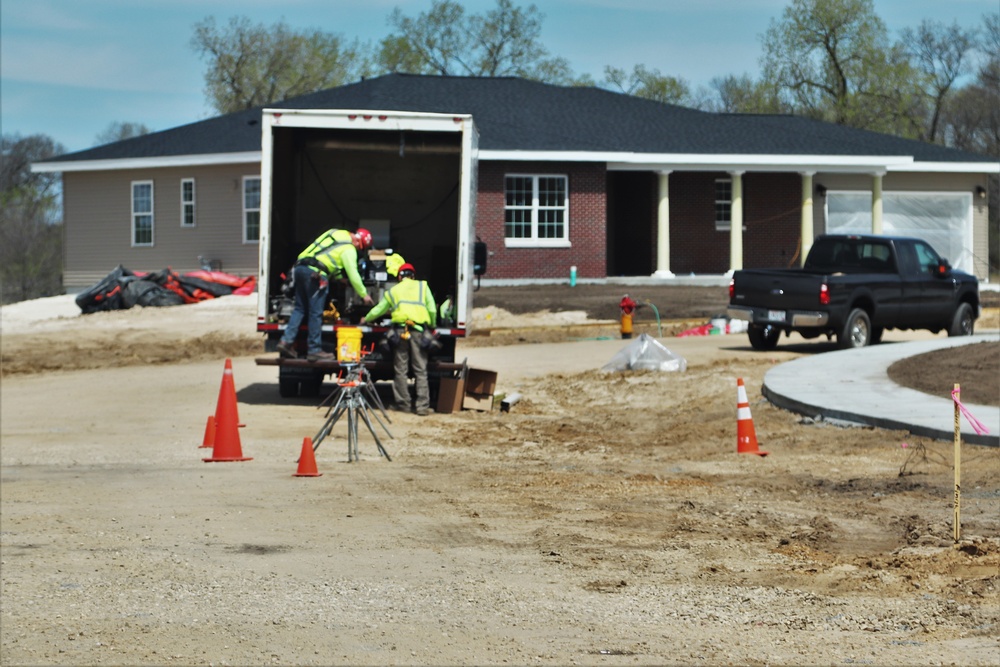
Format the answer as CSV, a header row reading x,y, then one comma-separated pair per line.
x,y
605,519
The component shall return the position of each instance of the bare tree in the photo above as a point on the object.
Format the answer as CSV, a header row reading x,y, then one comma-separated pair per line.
x,y
649,84
119,131
30,234
942,54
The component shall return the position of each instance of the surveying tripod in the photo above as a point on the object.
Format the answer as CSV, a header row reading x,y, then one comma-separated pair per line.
x,y
354,389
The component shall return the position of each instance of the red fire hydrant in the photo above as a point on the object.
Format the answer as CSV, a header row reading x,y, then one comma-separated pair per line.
x,y
628,307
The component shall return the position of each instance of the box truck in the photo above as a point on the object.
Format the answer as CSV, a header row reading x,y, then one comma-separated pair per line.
x,y
407,177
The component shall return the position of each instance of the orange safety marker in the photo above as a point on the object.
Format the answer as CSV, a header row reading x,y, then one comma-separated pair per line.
x,y
307,461
209,439
227,435
746,435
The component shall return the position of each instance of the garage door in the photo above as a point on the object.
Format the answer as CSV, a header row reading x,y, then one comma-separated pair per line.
x,y
943,219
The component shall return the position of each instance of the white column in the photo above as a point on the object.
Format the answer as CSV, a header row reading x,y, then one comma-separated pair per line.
x,y
663,229
806,229
736,225
877,202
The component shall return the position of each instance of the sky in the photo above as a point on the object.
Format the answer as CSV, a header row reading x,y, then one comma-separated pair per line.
x,y
71,68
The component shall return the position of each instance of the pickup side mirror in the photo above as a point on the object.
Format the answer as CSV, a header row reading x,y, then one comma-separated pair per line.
x,y
479,258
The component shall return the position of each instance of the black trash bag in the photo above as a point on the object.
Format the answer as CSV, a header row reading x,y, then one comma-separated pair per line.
x,y
106,294
139,292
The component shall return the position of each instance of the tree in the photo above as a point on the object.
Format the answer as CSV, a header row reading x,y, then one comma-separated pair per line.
x,y
30,236
251,65
742,94
832,60
119,131
942,54
445,40
648,84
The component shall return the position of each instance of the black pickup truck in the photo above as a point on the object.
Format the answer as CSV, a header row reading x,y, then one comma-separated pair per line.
x,y
854,288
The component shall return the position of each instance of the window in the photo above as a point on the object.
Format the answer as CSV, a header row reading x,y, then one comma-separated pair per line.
x,y
142,213
536,211
187,202
723,204
251,209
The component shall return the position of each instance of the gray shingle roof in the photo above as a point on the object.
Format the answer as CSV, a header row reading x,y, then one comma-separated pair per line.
x,y
516,114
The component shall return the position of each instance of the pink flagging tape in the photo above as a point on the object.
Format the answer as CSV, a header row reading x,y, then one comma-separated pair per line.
x,y
977,425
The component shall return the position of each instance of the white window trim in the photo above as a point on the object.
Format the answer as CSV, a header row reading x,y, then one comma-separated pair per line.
x,y
534,241
135,214
722,226
186,204
243,197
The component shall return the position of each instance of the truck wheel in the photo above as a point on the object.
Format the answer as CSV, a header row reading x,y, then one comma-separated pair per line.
x,y
763,337
288,387
311,387
963,323
857,331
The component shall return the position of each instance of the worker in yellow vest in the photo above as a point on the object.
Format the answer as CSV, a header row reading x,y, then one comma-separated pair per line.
x,y
414,316
332,256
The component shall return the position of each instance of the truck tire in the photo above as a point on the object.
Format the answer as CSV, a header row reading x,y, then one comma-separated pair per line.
x,y
963,324
857,331
288,387
763,337
310,388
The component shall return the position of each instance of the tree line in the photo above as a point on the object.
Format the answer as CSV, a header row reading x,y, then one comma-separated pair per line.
x,y
832,60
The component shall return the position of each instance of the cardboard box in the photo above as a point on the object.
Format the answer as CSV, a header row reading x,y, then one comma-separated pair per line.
x,y
473,389
479,388
450,394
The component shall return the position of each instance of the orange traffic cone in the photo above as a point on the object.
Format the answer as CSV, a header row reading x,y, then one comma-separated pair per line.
x,y
746,436
209,439
307,461
231,389
227,436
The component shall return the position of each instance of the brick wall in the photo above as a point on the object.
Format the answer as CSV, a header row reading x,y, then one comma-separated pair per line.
x,y
587,212
771,217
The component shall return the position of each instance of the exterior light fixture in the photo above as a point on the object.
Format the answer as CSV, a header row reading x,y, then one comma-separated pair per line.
x,y
821,190
981,192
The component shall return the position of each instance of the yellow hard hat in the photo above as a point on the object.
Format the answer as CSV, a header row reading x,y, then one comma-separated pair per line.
x,y
392,264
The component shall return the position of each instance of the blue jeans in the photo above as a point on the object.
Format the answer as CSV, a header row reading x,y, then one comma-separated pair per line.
x,y
311,294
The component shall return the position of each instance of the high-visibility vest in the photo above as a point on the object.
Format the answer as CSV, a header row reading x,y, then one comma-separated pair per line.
x,y
328,250
407,302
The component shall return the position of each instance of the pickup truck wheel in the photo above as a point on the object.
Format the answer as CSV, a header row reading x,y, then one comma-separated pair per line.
x,y
857,331
763,337
963,323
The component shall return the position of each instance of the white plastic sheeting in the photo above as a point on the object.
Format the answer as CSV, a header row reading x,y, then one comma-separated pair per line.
x,y
943,219
645,353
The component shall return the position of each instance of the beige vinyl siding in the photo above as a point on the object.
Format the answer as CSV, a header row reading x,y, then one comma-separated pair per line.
x,y
97,210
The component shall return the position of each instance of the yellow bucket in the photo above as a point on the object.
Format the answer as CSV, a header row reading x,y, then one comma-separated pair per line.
x,y
348,344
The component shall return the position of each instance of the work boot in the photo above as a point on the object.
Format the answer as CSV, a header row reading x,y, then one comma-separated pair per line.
x,y
423,412
321,356
286,351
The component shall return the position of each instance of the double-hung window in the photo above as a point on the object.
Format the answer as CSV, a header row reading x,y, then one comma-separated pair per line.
x,y
142,213
187,202
251,209
723,204
536,210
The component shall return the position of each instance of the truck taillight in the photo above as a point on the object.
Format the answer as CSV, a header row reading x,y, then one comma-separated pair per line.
x,y
732,288
824,295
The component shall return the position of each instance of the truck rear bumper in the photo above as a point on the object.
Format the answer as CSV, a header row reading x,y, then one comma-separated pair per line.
x,y
781,318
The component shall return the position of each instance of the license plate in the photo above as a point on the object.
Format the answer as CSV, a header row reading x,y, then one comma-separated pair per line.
x,y
775,316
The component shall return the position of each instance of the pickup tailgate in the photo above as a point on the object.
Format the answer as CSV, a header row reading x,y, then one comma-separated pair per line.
x,y
779,290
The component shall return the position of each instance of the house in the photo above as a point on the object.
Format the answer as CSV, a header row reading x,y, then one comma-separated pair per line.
x,y
568,176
